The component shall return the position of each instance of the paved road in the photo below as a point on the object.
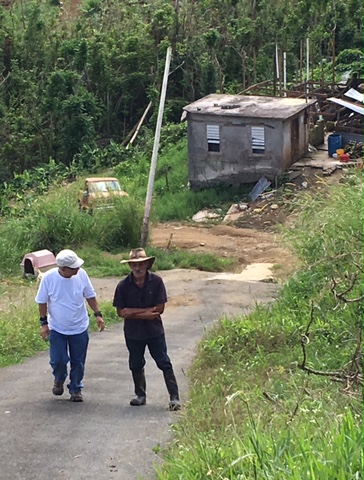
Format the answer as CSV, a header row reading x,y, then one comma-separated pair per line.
x,y
49,438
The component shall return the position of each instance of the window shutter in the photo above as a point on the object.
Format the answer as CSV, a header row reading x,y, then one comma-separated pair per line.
x,y
213,133
258,139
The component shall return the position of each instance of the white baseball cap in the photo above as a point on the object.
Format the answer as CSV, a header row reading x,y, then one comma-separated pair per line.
x,y
68,258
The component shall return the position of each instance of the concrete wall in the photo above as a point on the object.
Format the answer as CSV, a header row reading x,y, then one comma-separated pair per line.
x,y
235,163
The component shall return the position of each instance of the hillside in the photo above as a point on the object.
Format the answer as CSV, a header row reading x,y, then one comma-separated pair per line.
x,y
76,80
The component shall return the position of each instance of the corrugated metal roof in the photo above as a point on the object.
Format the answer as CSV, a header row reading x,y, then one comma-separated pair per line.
x,y
248,106
351,106
352,93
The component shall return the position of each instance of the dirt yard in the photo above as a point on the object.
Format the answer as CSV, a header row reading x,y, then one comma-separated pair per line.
x,y
246,245
252,236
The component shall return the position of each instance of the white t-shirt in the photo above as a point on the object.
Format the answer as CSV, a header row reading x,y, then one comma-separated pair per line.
x,y
67,312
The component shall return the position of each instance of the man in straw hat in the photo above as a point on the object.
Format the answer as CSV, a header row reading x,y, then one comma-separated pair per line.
x,y
139,299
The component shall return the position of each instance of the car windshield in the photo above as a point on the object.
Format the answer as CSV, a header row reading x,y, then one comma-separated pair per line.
x,y
105,186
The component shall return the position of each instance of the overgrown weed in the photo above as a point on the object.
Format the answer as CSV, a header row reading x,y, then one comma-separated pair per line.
x,y
254,412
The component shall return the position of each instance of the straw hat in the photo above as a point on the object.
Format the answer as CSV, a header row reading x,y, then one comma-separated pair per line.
x,y
138,255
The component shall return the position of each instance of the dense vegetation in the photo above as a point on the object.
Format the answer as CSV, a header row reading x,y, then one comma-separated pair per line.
x,y
277,394
71,84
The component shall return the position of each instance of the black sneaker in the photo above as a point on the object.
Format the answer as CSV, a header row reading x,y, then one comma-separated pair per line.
x,y
138,401
58,388
76,397
174,405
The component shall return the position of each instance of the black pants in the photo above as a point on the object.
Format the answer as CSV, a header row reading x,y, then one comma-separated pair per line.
x,y
157,348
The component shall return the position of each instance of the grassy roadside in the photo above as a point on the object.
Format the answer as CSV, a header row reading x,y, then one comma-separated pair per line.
x,y
257,410
19,331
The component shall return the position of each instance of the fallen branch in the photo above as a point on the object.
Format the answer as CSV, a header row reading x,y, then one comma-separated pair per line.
x,y
336,376
137,127
341,296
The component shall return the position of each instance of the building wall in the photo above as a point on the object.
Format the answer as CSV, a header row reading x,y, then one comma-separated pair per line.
x,y
236,163
316,135
295,140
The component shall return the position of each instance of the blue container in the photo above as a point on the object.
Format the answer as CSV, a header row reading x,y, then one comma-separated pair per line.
x,y
334,143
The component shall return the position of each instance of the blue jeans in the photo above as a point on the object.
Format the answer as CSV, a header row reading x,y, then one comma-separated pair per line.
x,y
157,348
68,348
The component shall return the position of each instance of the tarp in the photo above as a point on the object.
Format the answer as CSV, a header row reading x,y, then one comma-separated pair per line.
x,y
352,106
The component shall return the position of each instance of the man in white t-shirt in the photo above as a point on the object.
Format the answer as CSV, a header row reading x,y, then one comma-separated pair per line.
x,y
64,320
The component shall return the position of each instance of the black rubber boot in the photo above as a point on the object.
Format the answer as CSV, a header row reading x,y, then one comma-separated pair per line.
x,y
172,387
139,388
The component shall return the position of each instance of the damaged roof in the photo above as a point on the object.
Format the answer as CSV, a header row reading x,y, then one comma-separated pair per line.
x,y
249,106
352,106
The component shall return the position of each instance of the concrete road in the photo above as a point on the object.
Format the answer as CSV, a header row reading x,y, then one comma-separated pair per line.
x,y
49,438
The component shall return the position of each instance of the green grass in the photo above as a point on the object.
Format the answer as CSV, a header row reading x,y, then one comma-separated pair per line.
x,y
102,264
19,331
253,413
53,221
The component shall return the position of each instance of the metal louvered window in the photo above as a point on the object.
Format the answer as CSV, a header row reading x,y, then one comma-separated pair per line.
x,y
258,140
213,138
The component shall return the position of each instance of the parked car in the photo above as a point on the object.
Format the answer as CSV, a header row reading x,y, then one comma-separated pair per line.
x,y
99,192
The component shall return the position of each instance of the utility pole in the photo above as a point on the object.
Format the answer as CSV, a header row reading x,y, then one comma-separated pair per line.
x,y
153,164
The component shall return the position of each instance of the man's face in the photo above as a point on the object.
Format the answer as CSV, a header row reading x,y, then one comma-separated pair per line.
x,y
68,272
139,269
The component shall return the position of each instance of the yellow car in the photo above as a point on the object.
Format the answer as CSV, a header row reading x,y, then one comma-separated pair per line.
x,y
99,193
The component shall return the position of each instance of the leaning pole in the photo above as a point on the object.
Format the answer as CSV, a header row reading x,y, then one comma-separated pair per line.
x,y
153,164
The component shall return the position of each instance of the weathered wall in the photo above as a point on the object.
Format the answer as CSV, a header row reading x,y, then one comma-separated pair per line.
x,y
235,163
316,135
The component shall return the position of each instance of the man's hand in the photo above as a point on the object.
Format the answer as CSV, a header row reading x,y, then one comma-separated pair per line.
x,y
100,323
44,332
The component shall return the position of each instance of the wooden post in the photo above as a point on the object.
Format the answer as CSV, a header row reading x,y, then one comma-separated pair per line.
x,y
301,61
333,55
138,126
307,65
277,71
153,165
285,73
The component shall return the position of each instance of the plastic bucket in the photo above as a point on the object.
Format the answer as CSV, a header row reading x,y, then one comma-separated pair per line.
x,y
340,151
334,143
344,158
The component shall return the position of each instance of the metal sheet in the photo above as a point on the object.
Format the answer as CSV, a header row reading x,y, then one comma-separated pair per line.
x,y
351,106
259,188
213,132
258,137
352,93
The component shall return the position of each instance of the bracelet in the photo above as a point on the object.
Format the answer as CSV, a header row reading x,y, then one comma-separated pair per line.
x,y
43,321
98,314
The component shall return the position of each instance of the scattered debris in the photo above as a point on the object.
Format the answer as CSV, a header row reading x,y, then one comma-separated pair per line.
x,y
292,175
205,215
354,149
235,211
259,188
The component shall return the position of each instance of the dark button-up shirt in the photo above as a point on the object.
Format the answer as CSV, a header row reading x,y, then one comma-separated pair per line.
x,y
151,294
